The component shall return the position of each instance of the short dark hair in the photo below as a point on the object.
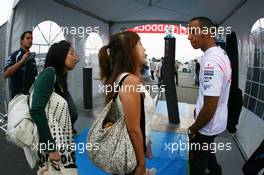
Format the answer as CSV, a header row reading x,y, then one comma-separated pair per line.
x,y
24,34
56,56
204,21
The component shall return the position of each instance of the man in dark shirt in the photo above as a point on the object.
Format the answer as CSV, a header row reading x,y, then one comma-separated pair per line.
x,y
21,66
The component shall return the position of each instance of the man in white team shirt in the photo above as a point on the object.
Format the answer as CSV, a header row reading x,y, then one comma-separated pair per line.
x,y
211,107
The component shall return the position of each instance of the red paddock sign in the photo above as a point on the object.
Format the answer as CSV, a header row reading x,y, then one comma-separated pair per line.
x,y
159,28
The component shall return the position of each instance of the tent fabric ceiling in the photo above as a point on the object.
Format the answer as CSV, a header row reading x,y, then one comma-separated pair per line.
x,y
123,11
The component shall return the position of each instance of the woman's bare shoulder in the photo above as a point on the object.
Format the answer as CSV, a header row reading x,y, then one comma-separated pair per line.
x,y
132,80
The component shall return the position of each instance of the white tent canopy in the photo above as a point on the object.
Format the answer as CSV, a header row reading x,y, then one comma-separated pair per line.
x,y
121,11
127,13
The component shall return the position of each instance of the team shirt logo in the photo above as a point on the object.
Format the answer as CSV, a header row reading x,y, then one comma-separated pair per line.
x,y
208,73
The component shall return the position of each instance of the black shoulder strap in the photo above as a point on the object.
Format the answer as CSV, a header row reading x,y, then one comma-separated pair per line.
x,y
118,87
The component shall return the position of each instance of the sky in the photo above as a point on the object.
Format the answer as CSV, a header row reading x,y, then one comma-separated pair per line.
x,y
5,10
258,24
154,45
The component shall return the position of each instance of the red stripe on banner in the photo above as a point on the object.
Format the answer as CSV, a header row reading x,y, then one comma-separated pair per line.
x,y
159,28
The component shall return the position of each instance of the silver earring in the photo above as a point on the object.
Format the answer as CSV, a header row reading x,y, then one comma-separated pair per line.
x,y
108,51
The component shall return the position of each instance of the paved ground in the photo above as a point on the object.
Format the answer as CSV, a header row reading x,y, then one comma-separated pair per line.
x,y
12,161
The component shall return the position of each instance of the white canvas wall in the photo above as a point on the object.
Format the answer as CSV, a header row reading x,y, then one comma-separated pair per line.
x,y
251,128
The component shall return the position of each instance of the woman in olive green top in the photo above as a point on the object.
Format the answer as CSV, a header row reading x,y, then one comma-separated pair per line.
x,y
60,58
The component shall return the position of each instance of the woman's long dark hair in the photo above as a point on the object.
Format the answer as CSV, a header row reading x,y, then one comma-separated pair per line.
x,y
56,56
118,57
